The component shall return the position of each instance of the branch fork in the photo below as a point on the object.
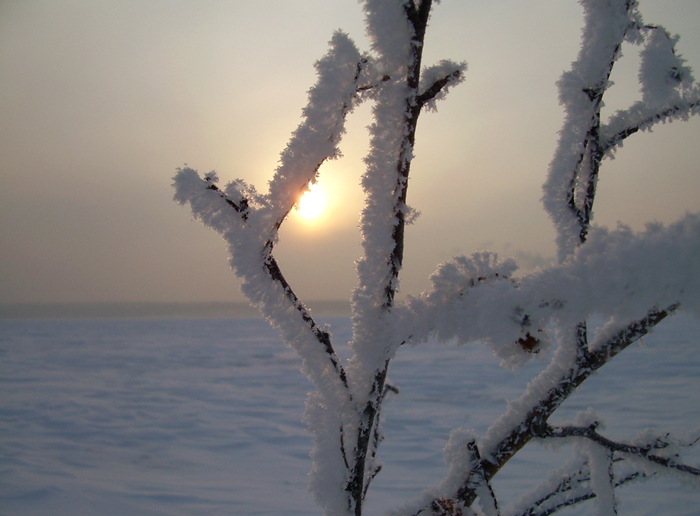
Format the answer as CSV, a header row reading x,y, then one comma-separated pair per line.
x,y
473,299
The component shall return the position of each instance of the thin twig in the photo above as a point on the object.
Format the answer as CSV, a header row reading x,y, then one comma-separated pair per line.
x,y
638,451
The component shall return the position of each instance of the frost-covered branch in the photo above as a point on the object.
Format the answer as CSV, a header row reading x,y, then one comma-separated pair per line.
x,y
575,482
643,119
621,275
316,139
437,80
397,30
669,93
527,417
643,452
573,173
567,486
216,209
249,222
668,90
569,191
251,225
241,206
633,280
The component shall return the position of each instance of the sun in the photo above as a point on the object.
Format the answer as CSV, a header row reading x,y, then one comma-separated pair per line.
x,y
312,203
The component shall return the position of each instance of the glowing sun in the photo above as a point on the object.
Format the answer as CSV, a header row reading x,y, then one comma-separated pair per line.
x,y
312,203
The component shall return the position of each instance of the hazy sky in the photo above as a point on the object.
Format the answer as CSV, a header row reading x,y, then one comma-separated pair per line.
x,y
101,100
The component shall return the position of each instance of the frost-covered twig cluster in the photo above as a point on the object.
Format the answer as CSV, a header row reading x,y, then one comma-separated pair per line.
x,y
633,280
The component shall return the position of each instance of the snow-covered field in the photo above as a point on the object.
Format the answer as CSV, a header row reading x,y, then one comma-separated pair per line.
x,y
146,417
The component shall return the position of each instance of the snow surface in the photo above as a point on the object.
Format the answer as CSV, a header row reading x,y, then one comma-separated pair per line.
x,y
203,416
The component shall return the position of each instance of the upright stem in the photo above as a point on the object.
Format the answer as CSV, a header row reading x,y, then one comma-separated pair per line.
x,y
418,18
419,21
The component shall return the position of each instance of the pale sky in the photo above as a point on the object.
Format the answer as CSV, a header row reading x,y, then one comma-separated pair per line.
x,y
103,99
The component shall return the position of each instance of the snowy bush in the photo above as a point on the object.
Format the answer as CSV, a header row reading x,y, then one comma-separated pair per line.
x,y
634,281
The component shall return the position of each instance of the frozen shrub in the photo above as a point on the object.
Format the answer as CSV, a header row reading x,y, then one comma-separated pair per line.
x,y
633,280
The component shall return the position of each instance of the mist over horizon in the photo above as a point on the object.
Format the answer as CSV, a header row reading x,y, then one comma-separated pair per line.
x,y
156,310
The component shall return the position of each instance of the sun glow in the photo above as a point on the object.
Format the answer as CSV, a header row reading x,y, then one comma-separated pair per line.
x,y
312,203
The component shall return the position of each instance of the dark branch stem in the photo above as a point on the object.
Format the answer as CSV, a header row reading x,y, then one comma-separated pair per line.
x,y
418,18
242,205
355,487
345,109
273,270
437,87
568,484
627,336
362,89
614,140
272,267
586,363
643,452
275,273
591,150
477,477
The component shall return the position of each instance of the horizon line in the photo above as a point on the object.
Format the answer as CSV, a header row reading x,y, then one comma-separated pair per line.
x,y
153,309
